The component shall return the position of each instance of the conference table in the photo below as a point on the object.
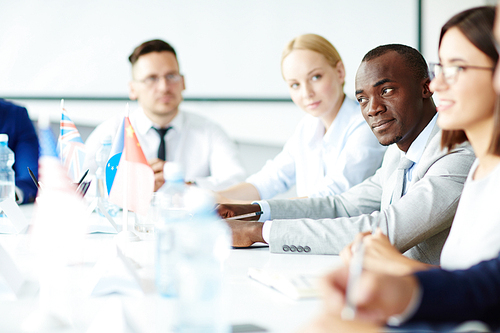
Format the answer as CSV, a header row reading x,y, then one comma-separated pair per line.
x,y
121,306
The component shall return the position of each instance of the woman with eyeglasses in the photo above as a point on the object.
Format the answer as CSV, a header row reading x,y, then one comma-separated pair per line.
x,y
467,287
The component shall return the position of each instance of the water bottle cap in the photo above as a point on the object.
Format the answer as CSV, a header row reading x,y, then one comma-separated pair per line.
x,y
172,172
107,140
4,138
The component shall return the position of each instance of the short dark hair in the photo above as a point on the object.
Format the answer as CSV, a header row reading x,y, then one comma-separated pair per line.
x,y
155,45
413,59
477,26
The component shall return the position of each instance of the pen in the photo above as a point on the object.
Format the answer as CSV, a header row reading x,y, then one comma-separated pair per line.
x,y
83,177
355,270
244,216
33,178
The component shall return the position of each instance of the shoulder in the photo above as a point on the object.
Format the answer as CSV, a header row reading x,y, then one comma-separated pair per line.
x,y
11,110
195,121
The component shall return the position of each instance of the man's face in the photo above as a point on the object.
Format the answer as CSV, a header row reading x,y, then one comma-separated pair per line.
x,y
158,96
391,100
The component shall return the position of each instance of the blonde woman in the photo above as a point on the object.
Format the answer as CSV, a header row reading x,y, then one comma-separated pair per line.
x,y
332,148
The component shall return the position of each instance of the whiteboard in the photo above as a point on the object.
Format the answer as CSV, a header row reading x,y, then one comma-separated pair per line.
x,y
226,48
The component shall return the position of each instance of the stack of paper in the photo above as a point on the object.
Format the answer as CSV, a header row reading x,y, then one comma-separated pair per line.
x,y
294,286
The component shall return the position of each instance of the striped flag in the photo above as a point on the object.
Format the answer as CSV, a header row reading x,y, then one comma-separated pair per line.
x,y
71,147
134,181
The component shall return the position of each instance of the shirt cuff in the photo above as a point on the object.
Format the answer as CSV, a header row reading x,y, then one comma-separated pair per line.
x,y
266,231
410,310
266,210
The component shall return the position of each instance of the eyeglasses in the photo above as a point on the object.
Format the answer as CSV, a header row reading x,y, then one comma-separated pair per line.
x,y
451,72
153,80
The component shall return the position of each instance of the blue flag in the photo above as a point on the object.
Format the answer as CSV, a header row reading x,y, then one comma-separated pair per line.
x,y
48,146
114,156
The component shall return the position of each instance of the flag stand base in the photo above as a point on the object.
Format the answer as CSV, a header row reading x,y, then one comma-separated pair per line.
x,y
127,236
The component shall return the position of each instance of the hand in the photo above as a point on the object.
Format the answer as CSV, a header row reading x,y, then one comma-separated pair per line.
x,y
381,256
346,253
245,233
157,165
230,210
377,296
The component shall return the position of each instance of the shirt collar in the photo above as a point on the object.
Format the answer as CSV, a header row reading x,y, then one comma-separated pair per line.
x,y
143,124
417,147
342,118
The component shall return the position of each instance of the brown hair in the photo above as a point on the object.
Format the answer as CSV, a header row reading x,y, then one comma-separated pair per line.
x,y
313,43
155,45
477,26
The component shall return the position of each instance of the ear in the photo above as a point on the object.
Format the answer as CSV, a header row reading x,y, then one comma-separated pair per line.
x,y
183,83
426,91
132,92
340,70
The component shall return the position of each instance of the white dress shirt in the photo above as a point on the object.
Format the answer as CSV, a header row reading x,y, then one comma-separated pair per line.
x,y
319,163
204,151
475,232
414,153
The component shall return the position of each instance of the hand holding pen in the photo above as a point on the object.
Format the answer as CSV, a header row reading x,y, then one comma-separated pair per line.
x,y
356,266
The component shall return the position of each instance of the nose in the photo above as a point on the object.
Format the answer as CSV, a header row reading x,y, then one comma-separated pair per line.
x,y
162,84
375,107
438,83
307,90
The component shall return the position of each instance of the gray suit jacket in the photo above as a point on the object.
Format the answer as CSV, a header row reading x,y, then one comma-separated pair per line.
x,y
417,224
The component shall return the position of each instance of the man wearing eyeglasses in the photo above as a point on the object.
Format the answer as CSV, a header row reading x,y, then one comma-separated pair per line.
x,y
205,153
412,197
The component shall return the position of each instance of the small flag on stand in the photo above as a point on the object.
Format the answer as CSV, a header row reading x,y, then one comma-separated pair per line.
x,y
133,185
71,146
59,229
114,156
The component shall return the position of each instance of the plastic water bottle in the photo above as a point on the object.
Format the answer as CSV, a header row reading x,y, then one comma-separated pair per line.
x,y
205,242
101,158
171,198
7,176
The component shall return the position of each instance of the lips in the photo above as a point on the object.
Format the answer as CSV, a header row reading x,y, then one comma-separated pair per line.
x,y
313,105
382,124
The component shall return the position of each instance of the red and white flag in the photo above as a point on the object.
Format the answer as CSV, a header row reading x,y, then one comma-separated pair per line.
x,y
133,186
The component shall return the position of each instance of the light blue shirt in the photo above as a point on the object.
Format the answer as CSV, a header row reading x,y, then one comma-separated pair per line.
x,y
319,163
416,149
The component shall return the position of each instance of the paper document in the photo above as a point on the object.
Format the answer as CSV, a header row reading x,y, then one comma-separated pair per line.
x,y
295,286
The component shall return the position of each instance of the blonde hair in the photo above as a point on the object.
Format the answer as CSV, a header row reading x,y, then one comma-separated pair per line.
x,y
313,43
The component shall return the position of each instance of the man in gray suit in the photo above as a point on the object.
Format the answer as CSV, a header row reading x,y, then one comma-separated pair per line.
x,y
412,202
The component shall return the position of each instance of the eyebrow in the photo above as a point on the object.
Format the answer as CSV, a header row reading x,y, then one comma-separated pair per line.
x,y
378,83
314,69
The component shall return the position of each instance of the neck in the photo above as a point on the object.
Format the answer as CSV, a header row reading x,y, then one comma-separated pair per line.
x,y
161,120
405,143
328,120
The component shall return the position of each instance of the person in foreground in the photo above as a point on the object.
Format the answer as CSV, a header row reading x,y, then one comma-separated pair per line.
x,y
464,86
468,103
23,141
392,87
332,148
207,156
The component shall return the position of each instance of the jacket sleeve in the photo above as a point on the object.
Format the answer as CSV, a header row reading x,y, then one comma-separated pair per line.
x,y
461,295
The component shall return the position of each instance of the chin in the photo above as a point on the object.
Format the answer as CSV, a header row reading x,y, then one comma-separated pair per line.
x,y
384,141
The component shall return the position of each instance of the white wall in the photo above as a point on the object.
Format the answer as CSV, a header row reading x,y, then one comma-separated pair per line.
x,y
226,48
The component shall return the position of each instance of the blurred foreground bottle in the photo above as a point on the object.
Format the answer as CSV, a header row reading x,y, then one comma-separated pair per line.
x,y
101,159
170,197
7,176
204,245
